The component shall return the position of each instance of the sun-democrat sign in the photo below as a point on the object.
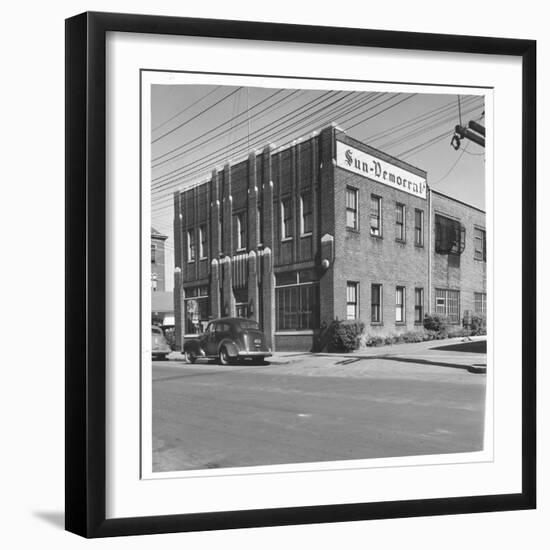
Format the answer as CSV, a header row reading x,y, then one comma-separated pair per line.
x,y
372,167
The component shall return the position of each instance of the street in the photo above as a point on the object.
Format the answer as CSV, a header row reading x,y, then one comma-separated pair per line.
x,y
410,399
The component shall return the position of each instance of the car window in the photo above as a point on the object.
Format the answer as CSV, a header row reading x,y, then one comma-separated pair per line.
x,y
221,327
246,324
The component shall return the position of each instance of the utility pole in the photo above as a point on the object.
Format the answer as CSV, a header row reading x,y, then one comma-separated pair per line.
x,y
475,132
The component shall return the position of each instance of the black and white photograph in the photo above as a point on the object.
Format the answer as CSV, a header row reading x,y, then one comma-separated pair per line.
x,y
316,273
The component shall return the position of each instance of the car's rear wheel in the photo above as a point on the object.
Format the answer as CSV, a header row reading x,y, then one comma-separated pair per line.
x,y
190,357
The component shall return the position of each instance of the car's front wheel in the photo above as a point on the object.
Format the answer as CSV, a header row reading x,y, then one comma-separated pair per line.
x,y
190,357
224,357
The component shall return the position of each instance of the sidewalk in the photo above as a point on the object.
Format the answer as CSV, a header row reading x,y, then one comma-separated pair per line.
x,y
468,353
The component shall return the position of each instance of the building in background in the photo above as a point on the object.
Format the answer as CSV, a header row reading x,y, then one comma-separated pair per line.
x,y
158,277
162,301
325,228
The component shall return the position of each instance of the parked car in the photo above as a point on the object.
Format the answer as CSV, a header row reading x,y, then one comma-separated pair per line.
x,y
228,339
159,345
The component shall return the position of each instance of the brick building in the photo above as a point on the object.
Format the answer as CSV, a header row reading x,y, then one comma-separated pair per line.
x,y
324,228
158,279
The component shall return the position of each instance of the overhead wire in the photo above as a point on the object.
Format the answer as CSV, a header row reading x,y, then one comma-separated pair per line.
x,y
294,129
202,98
196,116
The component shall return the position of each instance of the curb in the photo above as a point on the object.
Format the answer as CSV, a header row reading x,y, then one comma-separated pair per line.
x,y
478,369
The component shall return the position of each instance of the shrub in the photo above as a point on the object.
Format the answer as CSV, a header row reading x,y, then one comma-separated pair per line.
x,y
435,323
458,333
412,336
478,325
344,335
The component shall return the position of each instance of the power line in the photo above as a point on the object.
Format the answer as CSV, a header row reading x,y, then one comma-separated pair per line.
x,y
293,130
215,137
202,98
453,166
220,153
196,116
326,94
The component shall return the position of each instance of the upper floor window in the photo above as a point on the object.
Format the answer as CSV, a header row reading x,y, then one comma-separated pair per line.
x,y
190,245
376,215
202,242
351,208
241,230
259,225
418,227
400,222
306,213
450,235
286,219
479,244
153,253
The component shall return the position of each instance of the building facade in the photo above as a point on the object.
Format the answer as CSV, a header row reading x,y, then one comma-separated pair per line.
x,y
325,228
158,278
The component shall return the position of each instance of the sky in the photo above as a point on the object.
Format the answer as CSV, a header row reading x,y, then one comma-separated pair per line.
x,y
196,128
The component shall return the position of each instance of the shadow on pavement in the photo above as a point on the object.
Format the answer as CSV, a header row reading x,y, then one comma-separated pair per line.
x,y
478,346
435,363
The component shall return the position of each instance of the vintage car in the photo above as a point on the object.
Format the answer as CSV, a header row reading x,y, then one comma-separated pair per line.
x,y
228,339
159,346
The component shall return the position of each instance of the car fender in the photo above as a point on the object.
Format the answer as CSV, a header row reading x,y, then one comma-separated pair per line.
x,y
230,346
194,346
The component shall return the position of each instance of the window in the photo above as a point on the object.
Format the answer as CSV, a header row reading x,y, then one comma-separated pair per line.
x,y
351,300
480,303
450,236
376,303
418,227
154,282
399,304
202,242
306,214
297,301
399,221
153,253
240,220
418,306
259,226
479,244
197,308
376,215
351,208
190,245
447,303
286,219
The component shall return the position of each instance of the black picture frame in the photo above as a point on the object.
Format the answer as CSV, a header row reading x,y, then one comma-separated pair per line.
x,y
86,273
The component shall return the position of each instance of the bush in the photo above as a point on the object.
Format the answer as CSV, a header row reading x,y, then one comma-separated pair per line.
x,y
344,335
458,333
412,336
435,323
478,325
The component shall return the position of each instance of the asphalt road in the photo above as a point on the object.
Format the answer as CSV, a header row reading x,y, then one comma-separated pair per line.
x,y
303,408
